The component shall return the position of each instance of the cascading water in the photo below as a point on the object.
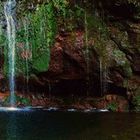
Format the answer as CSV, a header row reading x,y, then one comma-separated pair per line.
x,y
87,53
9,11
27,50
103,77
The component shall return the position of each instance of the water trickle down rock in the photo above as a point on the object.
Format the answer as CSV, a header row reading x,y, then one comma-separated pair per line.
x,y
9,11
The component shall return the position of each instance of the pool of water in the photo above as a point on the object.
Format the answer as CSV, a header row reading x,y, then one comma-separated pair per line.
x,y
44,125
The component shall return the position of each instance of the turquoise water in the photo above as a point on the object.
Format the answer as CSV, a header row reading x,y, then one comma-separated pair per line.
x,y
44,125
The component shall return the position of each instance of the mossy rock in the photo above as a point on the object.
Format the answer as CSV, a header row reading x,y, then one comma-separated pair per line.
x,y
42,63
113,106
19,100
136,99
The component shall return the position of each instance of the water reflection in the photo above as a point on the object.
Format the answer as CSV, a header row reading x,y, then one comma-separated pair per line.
x,y
43,125
12,129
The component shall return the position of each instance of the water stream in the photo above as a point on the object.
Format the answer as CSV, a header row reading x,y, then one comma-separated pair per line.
x,y
103,77
9,11
27,50
87,54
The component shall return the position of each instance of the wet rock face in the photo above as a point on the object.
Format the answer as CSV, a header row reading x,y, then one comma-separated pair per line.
x,y
56,64
136,64
113,103
68,59
71,70
134,40
115,63
120,9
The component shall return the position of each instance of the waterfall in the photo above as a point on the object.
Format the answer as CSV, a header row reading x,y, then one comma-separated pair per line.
x,y
27,50
9,11
103,77
87,54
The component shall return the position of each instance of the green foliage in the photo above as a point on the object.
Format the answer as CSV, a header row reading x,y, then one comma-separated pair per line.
x,y
2,37
41,64
122,62
127,70
36,35
98,25
99,30
61,6
135,2
26,6
112,106
38,29
71,19
24,101
75,13
136,99
43,26
136,102
19,101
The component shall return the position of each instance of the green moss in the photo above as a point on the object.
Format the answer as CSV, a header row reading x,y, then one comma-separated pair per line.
x,y
43,26
135,2
136,102
19,100
136,99
113,106
98,25
36,34
128,70
122,62
34,38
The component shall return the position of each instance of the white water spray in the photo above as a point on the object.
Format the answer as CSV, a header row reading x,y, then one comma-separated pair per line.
x,y
9,11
